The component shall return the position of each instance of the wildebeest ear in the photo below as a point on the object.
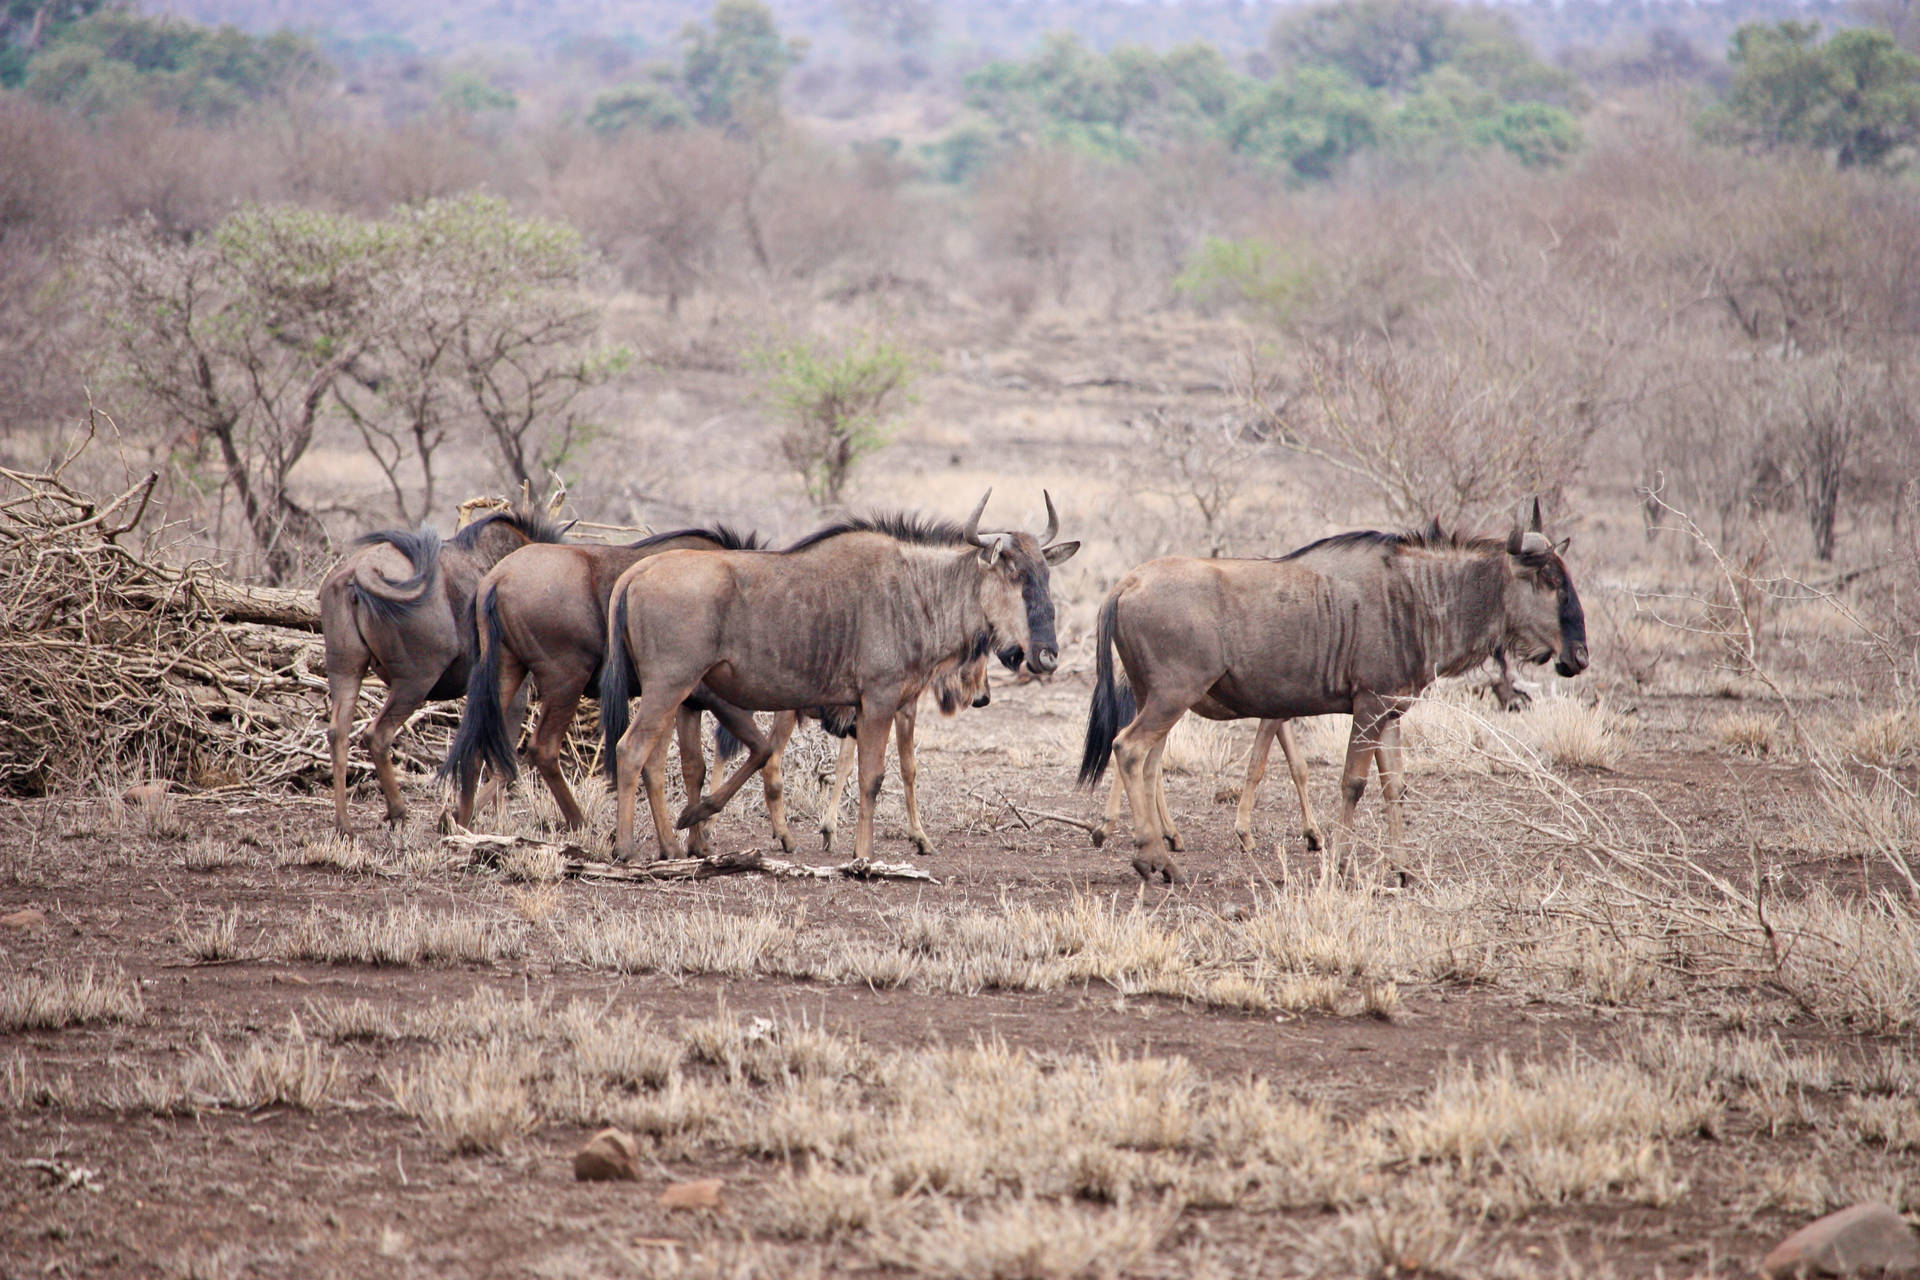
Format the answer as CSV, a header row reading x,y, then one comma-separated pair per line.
x,y
1535,526
1060,552
1560,547
992,546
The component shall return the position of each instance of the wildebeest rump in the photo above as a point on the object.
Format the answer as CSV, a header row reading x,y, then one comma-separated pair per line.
x,y
398,605
1274,639
542,611
856,615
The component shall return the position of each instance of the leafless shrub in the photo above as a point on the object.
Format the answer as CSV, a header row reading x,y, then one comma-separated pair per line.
x,y
49,1002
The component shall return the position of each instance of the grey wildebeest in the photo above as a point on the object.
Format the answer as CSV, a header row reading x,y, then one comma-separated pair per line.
x,y
1351,554
542,612
967,684
1274,639
860,614
398,605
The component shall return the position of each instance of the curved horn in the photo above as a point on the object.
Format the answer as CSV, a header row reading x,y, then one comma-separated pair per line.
x,y
973,521
1535,526
1053,521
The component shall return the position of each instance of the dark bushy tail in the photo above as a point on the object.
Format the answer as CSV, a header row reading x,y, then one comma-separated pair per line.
x,y
1112,706
482,736
616,687
725,745
380,595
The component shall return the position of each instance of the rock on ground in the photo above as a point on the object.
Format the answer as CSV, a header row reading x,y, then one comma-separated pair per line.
x,y
609,1156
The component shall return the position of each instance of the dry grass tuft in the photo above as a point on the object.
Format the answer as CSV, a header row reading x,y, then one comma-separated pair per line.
x,y
1026,1238
1573,735
403,936
700,940
215,938
473,1098
1886,740
49,1002
208,854
1749,733
157,815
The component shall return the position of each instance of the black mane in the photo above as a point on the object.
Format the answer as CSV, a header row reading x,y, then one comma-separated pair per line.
x,y
1430,537
900,525
537,525
726,537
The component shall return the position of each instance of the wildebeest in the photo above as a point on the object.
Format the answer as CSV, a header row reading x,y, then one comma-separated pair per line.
x,y
398,605
542,611
1274,639
859,615
1351,554
967,684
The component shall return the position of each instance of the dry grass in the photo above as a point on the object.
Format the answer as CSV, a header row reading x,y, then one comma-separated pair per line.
x,y
403,936
470,1098
702,939
1029,1239
1572,734
291,1072
1749,733
215,938
209,854
1885,740
50,1002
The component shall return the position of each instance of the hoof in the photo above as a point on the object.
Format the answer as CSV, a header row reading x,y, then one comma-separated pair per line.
x,y
826,839
1173,841
923,846
1246,841
694,814
1098,835
1314,843
786,844
1147,869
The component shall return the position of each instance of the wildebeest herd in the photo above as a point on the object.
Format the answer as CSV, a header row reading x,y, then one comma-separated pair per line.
x,y
851,624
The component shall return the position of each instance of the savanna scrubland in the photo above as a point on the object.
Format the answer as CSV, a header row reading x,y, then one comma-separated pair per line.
x,y
1651,1003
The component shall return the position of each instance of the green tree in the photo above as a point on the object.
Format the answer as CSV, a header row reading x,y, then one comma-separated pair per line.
x,y
734,67
1856,97
836,400
114,59
468,94
1308,122
651,108
27,26
1535,134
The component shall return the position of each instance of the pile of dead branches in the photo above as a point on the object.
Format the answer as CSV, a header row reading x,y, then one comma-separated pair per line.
x,y
114,669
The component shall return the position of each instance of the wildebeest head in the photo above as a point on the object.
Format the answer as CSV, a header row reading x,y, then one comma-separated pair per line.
x,y
1544,619
1014,592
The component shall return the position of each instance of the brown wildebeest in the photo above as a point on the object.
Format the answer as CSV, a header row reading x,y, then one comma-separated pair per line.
x,y
398,605
1349,554
859,614
1274,639
542,611
966,685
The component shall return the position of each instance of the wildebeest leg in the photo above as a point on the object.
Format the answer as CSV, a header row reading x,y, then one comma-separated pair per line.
x,y
903,724
773,777
1393,788
558,706
653,776
693,773
343,694
1368,717
741,725
1131,751
644,744
1297,766
876,719
402,701
1116,805
830,812
1256,770
1157,777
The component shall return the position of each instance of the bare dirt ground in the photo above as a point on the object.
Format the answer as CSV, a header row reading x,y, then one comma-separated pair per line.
x,y
1650,1005
1630,1102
